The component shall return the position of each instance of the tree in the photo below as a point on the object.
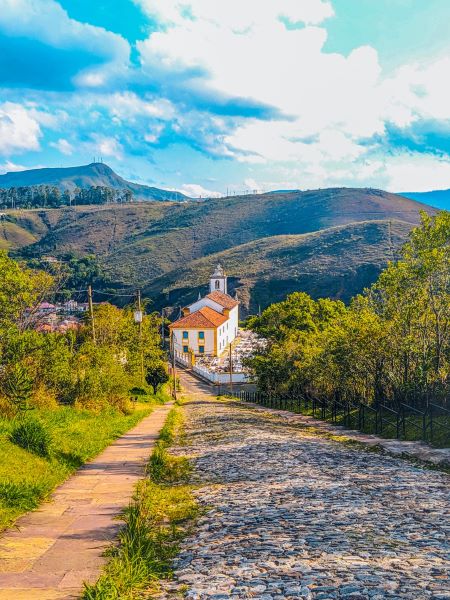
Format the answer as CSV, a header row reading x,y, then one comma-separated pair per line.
x,y
156,376
21,290
391,345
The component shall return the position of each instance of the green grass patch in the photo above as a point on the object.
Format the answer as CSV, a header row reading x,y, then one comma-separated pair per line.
x,y
162,513
26,479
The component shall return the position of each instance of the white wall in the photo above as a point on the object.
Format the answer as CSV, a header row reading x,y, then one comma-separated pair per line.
x,y
220,377
205,302
234,320
193,342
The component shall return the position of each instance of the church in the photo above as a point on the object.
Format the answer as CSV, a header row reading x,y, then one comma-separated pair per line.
x,y
208,326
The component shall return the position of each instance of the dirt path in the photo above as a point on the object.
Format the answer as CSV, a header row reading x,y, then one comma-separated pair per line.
x,y
56,548
293,514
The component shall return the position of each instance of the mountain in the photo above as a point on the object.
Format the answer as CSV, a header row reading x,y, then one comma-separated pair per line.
x,y
328,242
85,176
338,262
438,198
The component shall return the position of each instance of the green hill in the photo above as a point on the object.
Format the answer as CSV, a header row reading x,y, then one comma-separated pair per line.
x,y
338,262
84,176
149,245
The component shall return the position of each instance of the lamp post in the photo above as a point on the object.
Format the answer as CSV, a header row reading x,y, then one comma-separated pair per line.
x,y
138,318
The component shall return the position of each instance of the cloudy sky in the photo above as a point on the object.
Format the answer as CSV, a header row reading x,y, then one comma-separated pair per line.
x,y
205,95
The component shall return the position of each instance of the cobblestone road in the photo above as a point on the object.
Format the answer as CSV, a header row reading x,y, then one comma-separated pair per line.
x,y
291,514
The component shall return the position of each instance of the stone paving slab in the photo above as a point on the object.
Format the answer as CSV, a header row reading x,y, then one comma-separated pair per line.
x,y
53,550
290,513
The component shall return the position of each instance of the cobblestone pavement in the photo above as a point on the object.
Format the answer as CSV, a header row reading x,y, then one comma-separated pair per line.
x,y
292,514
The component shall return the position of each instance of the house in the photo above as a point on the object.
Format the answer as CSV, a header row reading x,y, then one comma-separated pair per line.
x,y
209,325
45,308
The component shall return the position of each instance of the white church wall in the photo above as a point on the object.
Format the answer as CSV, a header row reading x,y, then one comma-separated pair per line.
x,y
205,302
234,322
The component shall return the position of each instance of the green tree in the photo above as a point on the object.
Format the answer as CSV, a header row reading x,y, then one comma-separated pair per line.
x,y
156,376
21,290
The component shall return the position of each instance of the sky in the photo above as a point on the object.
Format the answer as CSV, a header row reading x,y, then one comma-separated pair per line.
x,y
216,96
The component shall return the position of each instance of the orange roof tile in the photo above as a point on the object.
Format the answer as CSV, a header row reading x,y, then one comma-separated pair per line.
x,y
223,299
205,317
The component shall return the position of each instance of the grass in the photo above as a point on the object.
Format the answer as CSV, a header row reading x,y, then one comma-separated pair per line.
x,y
27,479
160,516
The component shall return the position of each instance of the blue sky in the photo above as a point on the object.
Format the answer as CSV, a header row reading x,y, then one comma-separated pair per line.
x,y
209,95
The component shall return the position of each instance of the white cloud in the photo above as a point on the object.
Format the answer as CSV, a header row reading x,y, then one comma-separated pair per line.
x,y
107,146
331,104
10,167
63,146
249,53
416,172
48,22
238,15
128,105
19,129
194,190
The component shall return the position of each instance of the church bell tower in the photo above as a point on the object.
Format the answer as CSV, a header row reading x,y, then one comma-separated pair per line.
x,y
218,280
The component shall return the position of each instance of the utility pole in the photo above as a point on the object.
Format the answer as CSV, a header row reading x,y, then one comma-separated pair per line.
x,y
174,367
231,370
91,313
162,328
141,346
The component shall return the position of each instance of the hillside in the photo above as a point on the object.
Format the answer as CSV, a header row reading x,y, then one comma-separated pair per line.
x,y
85,176
438,198
140,244
338,262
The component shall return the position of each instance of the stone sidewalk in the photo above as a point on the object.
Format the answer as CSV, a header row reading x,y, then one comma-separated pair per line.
x,y
291,513
53,550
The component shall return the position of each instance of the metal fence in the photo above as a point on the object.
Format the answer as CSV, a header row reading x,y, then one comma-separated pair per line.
x,y
431,424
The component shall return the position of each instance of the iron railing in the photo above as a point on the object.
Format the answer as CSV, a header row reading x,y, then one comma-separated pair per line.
x,y
404,422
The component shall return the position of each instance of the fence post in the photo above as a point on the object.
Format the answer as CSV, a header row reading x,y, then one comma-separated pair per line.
x,y
424,426
430,408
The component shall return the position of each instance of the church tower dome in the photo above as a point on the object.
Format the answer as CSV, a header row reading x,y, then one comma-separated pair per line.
x,y
218,280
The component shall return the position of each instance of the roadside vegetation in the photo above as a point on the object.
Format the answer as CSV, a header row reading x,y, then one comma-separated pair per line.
x,y
160,516
390,345
65,396
65,439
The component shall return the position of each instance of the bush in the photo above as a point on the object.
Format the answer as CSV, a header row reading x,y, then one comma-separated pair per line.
x,y
23,494
44,398
32,436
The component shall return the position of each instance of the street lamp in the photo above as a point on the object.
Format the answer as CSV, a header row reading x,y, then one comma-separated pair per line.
x,y
138,318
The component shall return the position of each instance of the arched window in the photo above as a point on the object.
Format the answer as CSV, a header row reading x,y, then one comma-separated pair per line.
x,y
217,284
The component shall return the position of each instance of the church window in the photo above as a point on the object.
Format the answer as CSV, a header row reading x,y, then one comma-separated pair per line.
x,y
217,284
185,335
186,349
201,349
201,335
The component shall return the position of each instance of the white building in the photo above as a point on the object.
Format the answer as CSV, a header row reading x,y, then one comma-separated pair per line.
x,y
209,325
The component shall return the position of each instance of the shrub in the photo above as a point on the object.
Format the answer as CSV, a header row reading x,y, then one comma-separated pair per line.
x,y
44,398
23,494
32,436
17,386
